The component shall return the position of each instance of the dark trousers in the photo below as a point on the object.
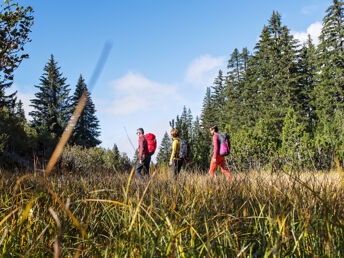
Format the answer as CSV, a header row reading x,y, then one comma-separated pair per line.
x,y
176,167
145,166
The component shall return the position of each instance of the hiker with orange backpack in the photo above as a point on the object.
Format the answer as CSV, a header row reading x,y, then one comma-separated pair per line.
x,y
147,146
220,144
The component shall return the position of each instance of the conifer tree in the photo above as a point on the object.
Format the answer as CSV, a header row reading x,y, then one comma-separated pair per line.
x,y
86,131
307,71
235,106
293,149
51,105
165,150
183,124
235,66
208,117
218,100
200,146
272,79
19,111
329,90
7,101
245,55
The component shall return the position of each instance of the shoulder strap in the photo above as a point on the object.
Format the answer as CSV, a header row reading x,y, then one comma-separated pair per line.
x,y
145,143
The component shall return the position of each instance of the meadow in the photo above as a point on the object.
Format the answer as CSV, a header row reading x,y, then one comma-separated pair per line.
x,y
258,214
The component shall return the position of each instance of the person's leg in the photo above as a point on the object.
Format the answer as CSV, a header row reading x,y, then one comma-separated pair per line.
x,y
213,166
146,163
180,164
138,169
222,163
174,168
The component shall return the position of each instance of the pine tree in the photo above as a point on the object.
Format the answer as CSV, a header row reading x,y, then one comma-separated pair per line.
x,y
19,111
218,100
329,90
272,77
51,105
200,146
86,131
208,117
7,101
183,124
235,106
235,66
165,150
307,71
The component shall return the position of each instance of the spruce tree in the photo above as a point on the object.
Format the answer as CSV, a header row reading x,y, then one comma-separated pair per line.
x,y
234,65
208,117
307,70
328,94
218,100
183,124
272,85
329,91
235,106
86,131
51,105
200,146
19,111
165,150
7,101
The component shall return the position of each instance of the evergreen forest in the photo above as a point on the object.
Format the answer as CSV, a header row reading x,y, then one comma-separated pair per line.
x,y
282,103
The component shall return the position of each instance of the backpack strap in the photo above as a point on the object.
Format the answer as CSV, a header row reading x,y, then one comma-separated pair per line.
x,y
145,146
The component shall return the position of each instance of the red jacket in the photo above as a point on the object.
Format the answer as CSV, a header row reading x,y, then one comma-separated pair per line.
x,y
143,147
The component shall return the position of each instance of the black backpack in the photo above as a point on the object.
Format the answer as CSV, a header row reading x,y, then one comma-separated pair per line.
x,y
184,149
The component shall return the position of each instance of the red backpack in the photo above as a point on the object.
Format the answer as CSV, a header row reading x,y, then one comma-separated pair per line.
x,y
151,143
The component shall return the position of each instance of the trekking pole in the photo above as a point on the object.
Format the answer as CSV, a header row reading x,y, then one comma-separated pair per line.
x,y
132,145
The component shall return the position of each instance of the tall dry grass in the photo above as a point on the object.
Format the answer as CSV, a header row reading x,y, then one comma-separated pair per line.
x,y
97,214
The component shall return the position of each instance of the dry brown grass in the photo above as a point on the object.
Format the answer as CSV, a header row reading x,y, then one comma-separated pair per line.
x,y
256,214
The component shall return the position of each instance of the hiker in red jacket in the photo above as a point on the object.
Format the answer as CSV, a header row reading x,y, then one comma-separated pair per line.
x,y
217,159
144,158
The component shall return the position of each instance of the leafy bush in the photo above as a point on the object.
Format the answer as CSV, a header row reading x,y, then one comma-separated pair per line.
x,y
78,158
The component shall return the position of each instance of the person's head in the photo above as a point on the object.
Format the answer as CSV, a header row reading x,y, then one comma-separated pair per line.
x,y
174,133
140,132
214,129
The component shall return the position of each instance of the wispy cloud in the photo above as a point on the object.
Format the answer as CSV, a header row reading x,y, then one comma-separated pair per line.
x,y
310,9
314,30
203,70
135,93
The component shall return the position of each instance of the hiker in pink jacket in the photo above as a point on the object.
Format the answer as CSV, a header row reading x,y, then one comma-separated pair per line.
x,y
216,159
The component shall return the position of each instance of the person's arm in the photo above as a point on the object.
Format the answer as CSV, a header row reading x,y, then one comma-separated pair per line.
x,y
141,148
174,150
216,147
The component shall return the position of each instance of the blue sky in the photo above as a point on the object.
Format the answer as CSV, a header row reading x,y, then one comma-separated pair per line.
x,y
164,53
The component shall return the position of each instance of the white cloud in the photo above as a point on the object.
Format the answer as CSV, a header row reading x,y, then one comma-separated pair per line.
x,y
313,30
135,93
203,70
